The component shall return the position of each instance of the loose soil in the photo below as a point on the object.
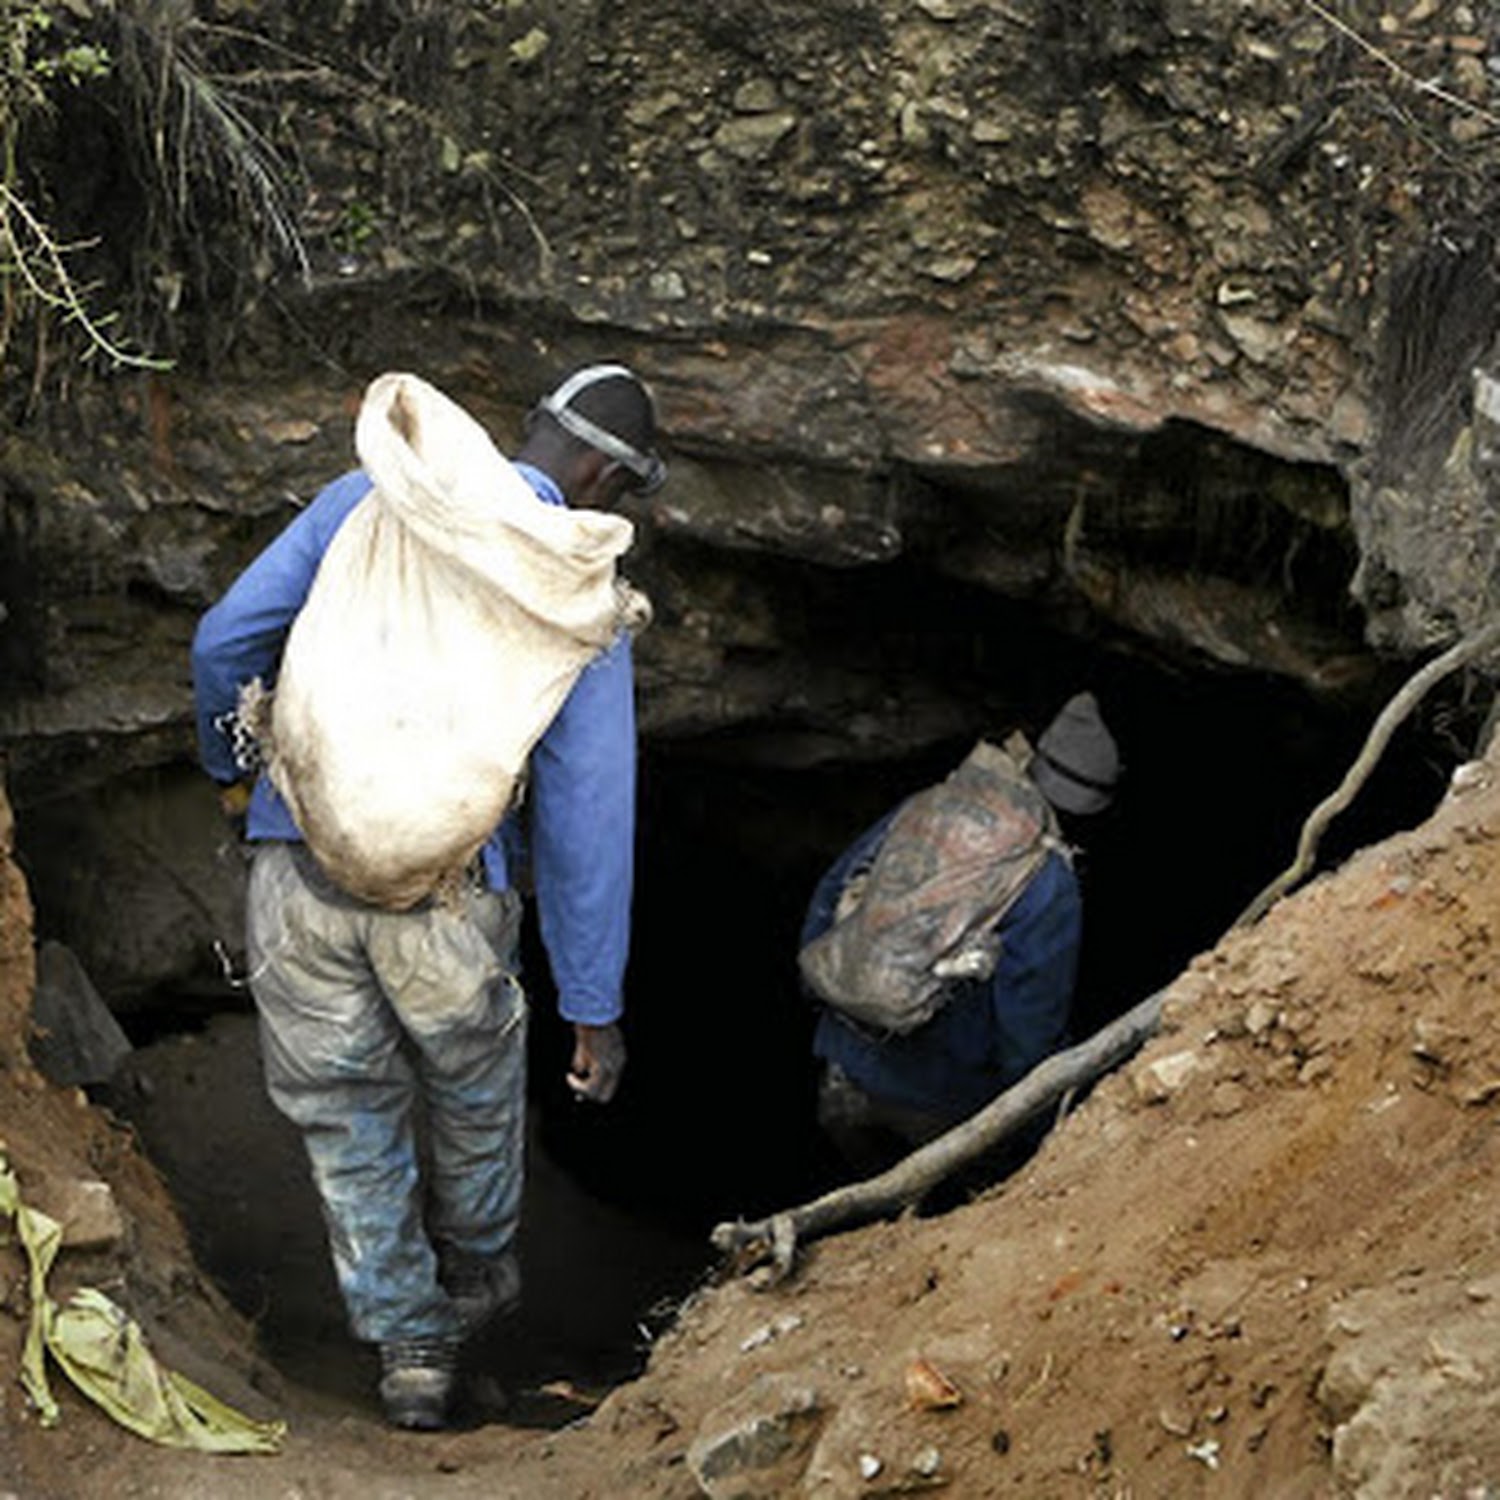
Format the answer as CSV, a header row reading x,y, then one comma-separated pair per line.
x,y
1258,1260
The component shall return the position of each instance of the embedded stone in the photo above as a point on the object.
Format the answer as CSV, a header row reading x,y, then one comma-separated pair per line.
x,y
86,1209
754,137
755,1446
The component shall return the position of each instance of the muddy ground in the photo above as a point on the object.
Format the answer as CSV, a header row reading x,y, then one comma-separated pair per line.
x,y
1258,1260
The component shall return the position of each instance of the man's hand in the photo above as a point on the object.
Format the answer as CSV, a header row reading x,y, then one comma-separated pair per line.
x,y
234,804
598,1061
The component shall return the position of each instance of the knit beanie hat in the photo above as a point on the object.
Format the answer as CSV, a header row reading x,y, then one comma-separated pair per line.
x,y
1077,762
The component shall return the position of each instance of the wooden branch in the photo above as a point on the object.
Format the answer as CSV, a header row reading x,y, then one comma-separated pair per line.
x,y
776,1238
40,263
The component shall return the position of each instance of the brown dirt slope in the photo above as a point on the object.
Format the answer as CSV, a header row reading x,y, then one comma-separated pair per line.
x,y
1257,1261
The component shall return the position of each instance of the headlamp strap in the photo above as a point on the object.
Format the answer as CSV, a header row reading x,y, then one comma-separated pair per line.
x,y
558,406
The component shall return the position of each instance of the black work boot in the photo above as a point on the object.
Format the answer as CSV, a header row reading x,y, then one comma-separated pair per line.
x,y
417,1381
481,1287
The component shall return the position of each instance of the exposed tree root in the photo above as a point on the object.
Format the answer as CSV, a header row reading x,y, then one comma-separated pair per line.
x,y
1402,703
776,1238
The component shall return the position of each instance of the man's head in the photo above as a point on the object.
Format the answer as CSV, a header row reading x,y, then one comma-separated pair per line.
x,y
596,436
1077,762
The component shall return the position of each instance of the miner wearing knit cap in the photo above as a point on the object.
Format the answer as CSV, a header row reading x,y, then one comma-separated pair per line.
x,y
941,948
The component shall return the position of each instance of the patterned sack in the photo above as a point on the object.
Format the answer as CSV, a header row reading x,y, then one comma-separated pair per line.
x,y
448,621
954,859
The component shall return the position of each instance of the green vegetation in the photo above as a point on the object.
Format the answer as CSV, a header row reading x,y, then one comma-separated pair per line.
x,y
155,161
134,177
37,58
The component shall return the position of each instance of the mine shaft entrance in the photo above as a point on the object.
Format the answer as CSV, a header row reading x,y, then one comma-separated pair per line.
x,y
1221,772
716,1116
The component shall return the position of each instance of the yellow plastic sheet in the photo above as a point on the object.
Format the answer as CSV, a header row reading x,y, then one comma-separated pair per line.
x,y
104,1353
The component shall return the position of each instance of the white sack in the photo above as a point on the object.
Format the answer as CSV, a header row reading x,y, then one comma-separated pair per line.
x,y
449,618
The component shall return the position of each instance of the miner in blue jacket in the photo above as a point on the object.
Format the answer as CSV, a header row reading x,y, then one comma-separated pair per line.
x,y
367,1013
882,1094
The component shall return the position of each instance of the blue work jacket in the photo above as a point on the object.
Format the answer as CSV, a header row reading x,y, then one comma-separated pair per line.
x,y
582,787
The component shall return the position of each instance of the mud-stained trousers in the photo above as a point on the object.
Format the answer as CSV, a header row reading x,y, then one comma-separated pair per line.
x,y
369,1021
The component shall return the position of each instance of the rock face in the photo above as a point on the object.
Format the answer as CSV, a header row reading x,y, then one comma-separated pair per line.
x,y
1164,321
1166,325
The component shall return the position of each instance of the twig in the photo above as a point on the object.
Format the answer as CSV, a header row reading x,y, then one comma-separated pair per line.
x,y
39,261
776,1238
317,70
1043,1376
1404,74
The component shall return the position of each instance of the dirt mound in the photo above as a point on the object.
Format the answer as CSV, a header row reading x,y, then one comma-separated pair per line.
x,y
1257,1260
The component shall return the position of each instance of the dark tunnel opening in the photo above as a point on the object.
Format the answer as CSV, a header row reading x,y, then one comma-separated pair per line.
x,y
717,1121
716,1116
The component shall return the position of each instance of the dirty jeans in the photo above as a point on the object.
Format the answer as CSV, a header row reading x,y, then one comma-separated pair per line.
x,y
370,1019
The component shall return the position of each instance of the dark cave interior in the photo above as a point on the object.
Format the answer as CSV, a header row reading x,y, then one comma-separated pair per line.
x,y
1221,771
